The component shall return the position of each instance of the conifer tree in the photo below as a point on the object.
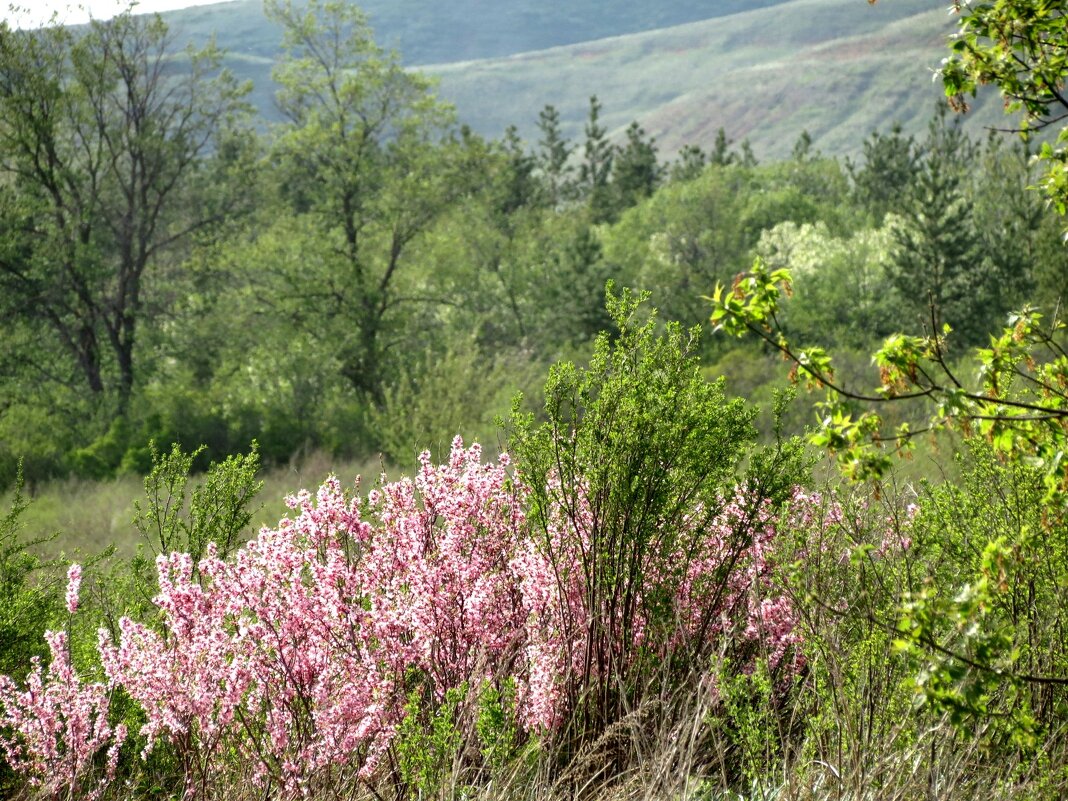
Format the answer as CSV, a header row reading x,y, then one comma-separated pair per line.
x,y
721,154
891,162
522,186
635,170
596,167
553,154
936,260
690,163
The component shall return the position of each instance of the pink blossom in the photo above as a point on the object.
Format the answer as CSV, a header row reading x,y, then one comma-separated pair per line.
x,y
58,725
298,654
74,584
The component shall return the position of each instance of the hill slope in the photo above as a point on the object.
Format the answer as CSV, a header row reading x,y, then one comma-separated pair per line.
x,y
837,68
429,31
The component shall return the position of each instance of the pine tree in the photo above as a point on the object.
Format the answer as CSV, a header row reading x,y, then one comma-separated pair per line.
x,y
596,167
890,164
522,188
748,159
552,158
635,170
689,164
721,154
937,265
803,149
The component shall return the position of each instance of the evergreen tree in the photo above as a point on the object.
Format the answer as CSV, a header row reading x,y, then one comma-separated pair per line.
x,y
583,295
522,187
748,159
635,171
552,159
596,167
936,264
721,153
803,150
890,164
689,164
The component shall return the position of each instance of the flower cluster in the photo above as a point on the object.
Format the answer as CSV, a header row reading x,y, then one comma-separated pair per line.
x,y
270,655
74,586
299,653
438,572
58,725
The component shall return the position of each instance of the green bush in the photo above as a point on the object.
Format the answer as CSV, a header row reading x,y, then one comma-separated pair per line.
x,y
631,446
29,601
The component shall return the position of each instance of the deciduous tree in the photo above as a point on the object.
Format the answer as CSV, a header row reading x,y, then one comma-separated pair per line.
x,y
367,162
103,133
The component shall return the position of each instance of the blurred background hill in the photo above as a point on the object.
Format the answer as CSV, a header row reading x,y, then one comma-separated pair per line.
x,y
760,69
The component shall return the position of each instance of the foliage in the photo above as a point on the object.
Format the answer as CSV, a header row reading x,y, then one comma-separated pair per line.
x,y
28,602
425,753
218,506
890,162
846,294
553,155
347,617
595,169
645,601
102,142
635,172
1016,404
936,253
438,397
296,663
359,163
968,651
987,660
635,537
1019,47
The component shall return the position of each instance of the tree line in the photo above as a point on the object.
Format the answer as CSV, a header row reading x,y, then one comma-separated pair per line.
x,y
370,276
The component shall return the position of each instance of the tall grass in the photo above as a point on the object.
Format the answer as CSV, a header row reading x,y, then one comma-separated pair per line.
x,y
89,516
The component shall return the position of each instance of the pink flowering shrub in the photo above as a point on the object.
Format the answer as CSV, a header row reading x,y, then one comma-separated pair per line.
x,y
710,589
269,655
438,572
292,664
729,590
55,731
299,653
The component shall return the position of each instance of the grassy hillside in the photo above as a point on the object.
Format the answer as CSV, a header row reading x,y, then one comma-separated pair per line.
x,y
426,31
838,68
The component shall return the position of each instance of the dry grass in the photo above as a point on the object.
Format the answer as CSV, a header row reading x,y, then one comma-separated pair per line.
x,y
670,754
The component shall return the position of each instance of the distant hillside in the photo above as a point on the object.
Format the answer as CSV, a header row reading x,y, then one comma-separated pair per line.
x,y
837,68
431,31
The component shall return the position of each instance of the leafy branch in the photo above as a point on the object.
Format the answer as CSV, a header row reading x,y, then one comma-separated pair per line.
x,y
1019,405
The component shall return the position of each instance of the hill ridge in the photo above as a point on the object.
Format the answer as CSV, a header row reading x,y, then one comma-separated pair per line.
x,y
838,68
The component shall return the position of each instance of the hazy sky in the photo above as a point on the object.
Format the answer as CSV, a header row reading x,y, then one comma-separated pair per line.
x,y
37,12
